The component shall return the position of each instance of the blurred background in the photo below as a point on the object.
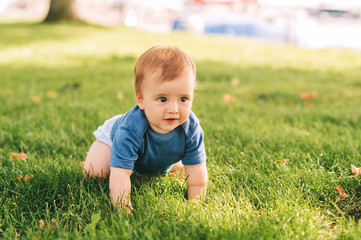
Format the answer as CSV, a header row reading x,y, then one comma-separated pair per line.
x,y
306,23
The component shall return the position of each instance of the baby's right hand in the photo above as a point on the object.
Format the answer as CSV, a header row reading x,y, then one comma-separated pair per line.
x,y
119,185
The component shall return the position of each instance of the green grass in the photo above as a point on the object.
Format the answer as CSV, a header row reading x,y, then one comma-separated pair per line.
x,y
252,193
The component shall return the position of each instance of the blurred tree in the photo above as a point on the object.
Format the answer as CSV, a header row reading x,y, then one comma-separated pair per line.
x,y
61,10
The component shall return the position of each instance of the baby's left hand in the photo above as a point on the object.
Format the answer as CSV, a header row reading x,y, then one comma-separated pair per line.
x,y
197,177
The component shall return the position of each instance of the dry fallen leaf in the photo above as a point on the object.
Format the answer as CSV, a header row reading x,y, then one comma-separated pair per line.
x,y
342,193
228,98
19,156
27,178
52,94
41,223
35,99
81,164
307,95
286,160
120,96
11,155
355,170
235,81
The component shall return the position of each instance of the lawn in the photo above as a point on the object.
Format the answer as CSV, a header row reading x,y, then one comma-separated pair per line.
x,y
275,157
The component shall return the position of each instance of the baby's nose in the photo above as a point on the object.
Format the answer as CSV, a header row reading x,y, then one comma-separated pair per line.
x,y
173,107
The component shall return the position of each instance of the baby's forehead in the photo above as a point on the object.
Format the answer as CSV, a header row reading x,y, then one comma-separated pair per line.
x,y
155,81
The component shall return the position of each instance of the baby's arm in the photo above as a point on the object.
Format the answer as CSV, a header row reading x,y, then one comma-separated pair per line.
x,y
197,177
119,185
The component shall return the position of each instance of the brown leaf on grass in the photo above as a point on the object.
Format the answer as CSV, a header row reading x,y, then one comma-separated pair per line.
x,y
52,94
35,99
342,193
355,170
81,164
227,98
120,96
235,81
11,155
307,95
19,156
41,223
286,160
27,178
53,221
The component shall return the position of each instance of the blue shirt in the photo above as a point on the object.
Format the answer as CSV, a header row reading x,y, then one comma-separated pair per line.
x,y
137,147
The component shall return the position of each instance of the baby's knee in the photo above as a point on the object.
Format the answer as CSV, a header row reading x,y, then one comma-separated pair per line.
x,y
97,161
178,170
91,171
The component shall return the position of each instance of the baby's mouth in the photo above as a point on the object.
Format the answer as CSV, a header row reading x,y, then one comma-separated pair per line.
x,y
170,120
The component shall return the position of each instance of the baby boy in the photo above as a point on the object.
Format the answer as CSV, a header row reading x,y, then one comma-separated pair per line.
x,y
157,136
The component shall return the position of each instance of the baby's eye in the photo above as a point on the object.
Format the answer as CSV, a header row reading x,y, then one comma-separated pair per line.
x,y
162,99
183,99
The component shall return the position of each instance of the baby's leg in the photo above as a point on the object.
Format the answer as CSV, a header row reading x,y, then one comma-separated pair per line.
x,y
97,160
178,170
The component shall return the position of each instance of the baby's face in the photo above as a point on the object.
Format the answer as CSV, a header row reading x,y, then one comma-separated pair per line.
x,y
168,104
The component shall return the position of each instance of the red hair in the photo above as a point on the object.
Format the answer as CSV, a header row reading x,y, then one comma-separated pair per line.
x,y
167,62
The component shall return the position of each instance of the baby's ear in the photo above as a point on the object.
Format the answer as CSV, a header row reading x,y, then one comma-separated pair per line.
x,y
139,98
354,170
